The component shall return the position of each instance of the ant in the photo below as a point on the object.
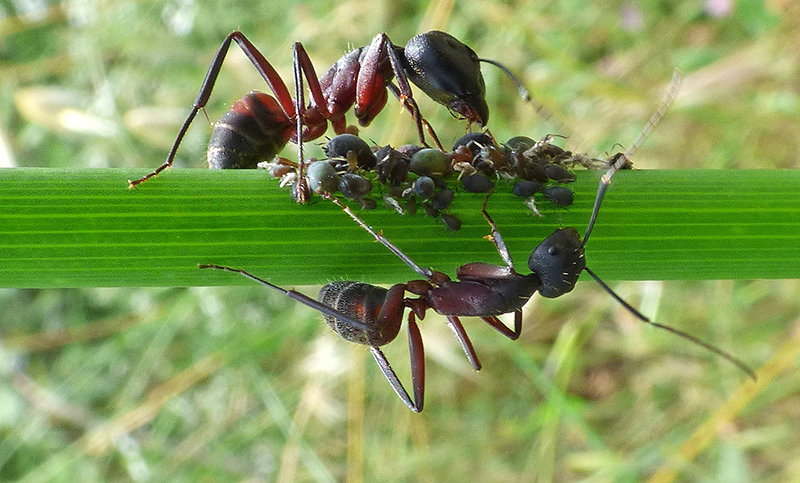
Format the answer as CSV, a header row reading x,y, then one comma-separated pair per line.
x,y
371,315
259,125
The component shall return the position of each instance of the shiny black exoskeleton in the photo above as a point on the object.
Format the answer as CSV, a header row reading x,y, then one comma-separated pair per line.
x,y
449,72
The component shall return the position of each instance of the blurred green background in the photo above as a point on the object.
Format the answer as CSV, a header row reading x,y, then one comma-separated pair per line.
x,y
238,384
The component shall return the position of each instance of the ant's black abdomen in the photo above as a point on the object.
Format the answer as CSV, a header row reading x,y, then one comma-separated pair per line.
x,y
363,302
253,130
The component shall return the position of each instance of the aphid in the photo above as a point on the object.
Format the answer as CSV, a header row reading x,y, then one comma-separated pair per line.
x,y
411,205
451,222
559,195
424,187
526,189
477,183
322,177
474,141
340,148
392,166
430,162
443,199
430,210
559,173
356,187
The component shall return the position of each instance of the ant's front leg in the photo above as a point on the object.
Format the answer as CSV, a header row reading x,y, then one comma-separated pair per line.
x,y
373,81
496,238
499,326
425,272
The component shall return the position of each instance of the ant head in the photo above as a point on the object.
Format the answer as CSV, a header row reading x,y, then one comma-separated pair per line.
x,y
558,261
449,72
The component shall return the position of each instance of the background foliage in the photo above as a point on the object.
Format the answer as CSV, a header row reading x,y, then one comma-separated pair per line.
x,y
204,384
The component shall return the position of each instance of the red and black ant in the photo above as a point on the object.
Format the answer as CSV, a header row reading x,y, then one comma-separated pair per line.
x,y
372,316
259,125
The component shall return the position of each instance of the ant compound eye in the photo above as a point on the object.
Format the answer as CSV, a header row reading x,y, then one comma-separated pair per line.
x,y
558,262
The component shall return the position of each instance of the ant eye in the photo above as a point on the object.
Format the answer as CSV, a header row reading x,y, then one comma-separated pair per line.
x,y
553,251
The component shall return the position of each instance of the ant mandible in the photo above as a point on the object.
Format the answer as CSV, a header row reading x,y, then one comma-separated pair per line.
x,y
259,125
372,316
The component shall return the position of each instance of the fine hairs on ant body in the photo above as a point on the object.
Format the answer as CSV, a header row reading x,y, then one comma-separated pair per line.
x,y
259,125
371,315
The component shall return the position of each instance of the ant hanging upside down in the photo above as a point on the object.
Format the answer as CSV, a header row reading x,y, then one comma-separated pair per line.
x,y
259,125
371,315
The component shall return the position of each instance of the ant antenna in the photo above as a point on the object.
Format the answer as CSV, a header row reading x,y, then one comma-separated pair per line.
x,y
741,365
620,160
617,162
542,111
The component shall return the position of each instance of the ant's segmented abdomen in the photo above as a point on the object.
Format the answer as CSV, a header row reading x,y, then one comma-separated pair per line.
x,y
253,130
363,302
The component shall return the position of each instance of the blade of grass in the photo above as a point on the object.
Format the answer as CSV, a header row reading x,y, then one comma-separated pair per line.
x,y
78,228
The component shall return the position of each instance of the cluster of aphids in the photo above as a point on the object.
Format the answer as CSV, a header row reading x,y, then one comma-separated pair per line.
x,y
413,177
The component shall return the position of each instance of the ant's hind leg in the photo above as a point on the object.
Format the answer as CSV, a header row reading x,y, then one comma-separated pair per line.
x,y
501,327
417,370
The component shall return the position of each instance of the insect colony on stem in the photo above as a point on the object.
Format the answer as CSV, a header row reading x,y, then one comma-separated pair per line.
x,y
258,126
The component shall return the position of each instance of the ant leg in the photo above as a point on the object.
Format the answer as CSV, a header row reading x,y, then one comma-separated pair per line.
x,y
496,238
425,272
316,125
501,327
303,192
303,299
417,353
261,64
411,105
407,98
463,338
394,381
620,160
370,82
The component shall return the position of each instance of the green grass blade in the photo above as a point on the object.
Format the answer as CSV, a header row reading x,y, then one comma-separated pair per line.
x,y
80,228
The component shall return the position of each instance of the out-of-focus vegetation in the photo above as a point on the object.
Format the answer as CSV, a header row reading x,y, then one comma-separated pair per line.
x,y
237,383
